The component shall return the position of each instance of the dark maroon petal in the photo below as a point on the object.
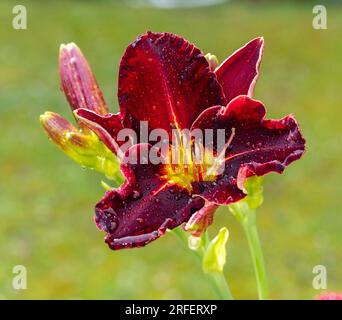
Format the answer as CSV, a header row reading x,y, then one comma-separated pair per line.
x,y
78,82
144,206
238,74
258,147
106,126
165,80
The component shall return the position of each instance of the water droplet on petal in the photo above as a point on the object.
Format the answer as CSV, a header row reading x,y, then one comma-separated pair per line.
x,y
140,220
136,194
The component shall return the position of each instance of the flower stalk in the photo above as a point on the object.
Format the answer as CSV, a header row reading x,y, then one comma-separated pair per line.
x,y
216,278
251,232
245,213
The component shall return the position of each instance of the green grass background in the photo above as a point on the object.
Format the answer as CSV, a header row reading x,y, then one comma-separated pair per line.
x,y
46,200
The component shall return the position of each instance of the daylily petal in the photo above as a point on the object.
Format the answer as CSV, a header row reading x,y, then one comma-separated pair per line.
x,y
106,127
144,206
165,80
238,73
78,82
258,147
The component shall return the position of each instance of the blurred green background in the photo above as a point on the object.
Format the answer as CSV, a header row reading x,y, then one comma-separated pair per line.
x,y
46,200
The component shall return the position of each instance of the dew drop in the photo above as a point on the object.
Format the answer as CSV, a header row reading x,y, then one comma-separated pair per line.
x,y
140,220
136,194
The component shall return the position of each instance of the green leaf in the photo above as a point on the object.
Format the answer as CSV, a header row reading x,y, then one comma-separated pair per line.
x,y
214,257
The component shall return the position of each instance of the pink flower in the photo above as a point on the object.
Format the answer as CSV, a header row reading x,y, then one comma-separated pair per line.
x,y
329,296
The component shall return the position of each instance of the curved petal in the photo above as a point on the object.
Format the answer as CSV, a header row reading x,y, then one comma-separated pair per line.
x,y
144,206
78,82
238,73
106,127
165,80
257,147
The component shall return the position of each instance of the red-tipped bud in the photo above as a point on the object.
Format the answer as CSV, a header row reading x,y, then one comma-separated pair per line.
x,y
78,82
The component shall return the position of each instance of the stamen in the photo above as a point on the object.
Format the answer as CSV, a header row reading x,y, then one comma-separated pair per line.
x,y
192,162
214,169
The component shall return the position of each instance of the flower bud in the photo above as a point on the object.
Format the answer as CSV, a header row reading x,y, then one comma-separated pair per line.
x,y
78,82
215,256
212,60
84,147
194,243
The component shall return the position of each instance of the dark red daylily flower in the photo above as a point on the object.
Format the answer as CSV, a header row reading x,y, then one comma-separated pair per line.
x,y
165,80
329,296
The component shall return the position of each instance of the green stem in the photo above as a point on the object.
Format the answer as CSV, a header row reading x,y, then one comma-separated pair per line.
x,y
249,225
218,280
221,286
